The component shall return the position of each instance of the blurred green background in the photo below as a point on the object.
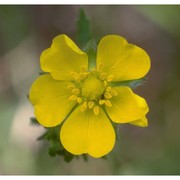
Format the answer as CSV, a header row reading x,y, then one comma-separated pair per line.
x,y
27,30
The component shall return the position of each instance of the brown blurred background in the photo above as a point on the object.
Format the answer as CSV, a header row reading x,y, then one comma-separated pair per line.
x,y
27,30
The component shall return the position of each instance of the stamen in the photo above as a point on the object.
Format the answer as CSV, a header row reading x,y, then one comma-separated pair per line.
x,y
73,97
82,76
108,103
74,75
84,106
96,110
90,104
93,70
110,78
83,69
76,91
108,88
103,76
107,95
71,86
113,92
87,74
79,100
105,83
101,102
77,78
99,68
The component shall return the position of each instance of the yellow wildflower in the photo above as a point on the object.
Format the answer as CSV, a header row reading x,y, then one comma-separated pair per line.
x,y
84,97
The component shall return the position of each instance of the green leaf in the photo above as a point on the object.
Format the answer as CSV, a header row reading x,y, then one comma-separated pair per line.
x,y
83,29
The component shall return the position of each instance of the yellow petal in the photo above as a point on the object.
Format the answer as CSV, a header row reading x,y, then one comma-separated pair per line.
x,y
85,132
126,106
124,61
141,103
50,100
63,59
141,122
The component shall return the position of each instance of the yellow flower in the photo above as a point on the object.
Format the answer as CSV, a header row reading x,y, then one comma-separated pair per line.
x,y
86,98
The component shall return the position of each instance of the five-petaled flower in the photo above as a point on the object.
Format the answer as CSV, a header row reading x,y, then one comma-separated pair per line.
x,y
85,99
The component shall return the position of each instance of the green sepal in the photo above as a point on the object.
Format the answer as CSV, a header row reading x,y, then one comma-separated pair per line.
x,y
85,157
83,29
34,121
91,49
55,146
132,83
42,73
84,39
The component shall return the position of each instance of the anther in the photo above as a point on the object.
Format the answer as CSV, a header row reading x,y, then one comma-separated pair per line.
x,y
73,97
100,67
90,104
107,95
113,92
105,83
77,78
103,76
71,86
110,78
74,75
87,74
108,88
101,102
79,100
76,91
82,76
84,106
83,69
96,110
108,103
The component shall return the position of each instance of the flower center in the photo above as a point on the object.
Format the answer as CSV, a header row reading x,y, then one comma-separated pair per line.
x,y
92,88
